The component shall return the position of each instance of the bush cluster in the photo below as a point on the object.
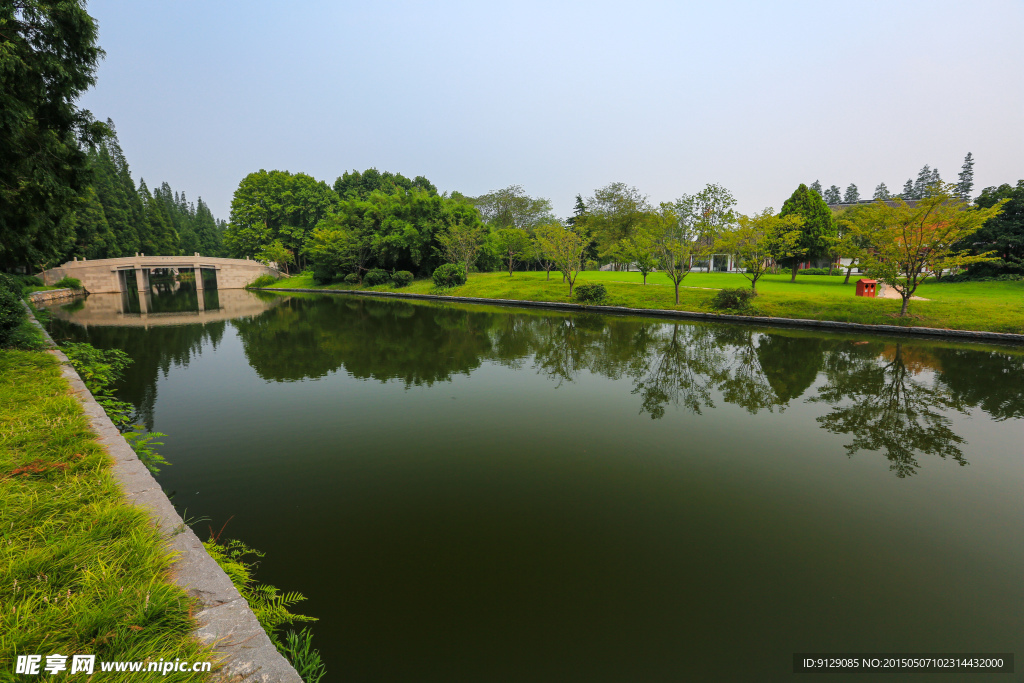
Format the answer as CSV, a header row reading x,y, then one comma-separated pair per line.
x,y
352,279
68,283
402,278
591,293
376,277
12,312
324,274
449,275
733,299
819,271
264,280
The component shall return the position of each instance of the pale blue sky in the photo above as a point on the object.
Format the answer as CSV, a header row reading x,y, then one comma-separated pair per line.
x,y
565,97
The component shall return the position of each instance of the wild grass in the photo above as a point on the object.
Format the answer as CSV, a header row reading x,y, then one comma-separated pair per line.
x,y
81,570
987,306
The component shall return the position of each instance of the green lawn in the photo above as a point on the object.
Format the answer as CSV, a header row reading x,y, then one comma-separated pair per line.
x,y
82,571
989,306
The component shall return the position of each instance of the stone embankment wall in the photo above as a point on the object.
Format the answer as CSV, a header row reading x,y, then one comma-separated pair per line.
x,y
55,295
225,621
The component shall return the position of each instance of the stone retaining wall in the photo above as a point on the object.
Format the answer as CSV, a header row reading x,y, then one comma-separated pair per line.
x,y
690,315
55,295
225,621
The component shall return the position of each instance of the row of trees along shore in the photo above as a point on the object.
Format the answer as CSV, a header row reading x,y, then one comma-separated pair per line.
x,y
374,220
108,215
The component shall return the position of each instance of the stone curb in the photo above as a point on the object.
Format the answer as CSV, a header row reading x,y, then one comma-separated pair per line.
x,y
971,335
225,622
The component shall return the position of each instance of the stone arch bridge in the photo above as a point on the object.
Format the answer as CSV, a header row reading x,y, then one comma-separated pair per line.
x,y
111,274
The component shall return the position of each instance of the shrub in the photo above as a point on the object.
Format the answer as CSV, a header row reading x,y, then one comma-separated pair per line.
x,y
402,278
10,283
264,280
68,283
376,277
31,281
818,271
449,275
733,299
12,312
324,275
352,279
591,293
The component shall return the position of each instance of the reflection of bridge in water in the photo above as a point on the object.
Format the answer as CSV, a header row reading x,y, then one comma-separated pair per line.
x,y
144,309
116,274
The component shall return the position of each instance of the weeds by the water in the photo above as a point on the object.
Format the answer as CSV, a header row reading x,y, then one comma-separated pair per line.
x,y
271,606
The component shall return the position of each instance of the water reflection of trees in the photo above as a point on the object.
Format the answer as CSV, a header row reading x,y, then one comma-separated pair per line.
x,y
887,400
154,351
898,399
310,338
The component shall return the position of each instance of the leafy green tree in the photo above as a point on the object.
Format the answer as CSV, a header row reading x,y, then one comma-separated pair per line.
x,y
461,242
567,248
759,240
833,195
514,245
544,236
331,249
511,207
852,194
614,212
1005,232
908,243
356,185
642,250
965,184
48,58
881,192
816,186
818,231
276,205
908,192
678,239
277,255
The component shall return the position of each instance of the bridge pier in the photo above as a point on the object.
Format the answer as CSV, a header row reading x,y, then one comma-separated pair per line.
x,y
142,279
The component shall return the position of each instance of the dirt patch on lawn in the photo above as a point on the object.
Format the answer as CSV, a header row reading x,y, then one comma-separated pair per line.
x,y
890,293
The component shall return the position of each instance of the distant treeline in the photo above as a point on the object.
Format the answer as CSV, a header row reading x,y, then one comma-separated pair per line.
x,y
115,218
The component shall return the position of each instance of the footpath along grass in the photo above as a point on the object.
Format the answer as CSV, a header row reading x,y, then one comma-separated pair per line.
x,y
81,570
984,306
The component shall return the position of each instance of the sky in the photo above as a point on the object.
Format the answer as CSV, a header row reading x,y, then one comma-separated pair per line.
x,y
563,98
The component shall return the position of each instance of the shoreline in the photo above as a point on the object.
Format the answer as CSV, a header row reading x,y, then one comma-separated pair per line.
x,y
226,622
975,335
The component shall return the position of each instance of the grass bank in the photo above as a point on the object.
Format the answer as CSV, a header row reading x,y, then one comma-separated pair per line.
x,y
982,306
82,571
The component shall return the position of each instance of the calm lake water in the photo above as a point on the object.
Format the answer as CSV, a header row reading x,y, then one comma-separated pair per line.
x,y
471,493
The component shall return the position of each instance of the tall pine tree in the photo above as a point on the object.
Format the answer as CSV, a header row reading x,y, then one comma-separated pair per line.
x,y
881,192
852,195
966,179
